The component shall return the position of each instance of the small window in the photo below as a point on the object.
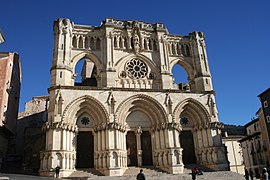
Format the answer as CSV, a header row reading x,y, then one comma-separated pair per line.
x,y
268,119
265,104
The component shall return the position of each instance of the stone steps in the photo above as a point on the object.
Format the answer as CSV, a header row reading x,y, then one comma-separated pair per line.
x,y
152,173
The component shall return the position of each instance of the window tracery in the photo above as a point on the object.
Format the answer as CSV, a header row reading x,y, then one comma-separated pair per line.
x,y
136,69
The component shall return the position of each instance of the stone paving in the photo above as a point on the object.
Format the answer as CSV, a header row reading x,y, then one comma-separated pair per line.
x,y
131,175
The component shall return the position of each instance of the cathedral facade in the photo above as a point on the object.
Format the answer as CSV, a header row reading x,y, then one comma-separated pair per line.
x,y
127,110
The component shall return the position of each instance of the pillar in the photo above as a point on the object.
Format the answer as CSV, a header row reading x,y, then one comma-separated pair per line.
x,y
138,133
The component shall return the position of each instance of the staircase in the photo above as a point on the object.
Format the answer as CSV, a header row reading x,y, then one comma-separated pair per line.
x,y
148,170
83,174
152,173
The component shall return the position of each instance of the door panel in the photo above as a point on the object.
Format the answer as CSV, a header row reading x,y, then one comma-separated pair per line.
x,y
187,144
85,150
131,146
147,159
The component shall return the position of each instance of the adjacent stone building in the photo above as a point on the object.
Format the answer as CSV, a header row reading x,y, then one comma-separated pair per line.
x,y
127,110
10,84
264,115
30,139
253,148
230,136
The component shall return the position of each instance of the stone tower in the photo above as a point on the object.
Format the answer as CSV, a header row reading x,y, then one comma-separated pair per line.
x,y
127,110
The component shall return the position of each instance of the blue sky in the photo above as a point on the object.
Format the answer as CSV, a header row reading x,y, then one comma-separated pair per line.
x,y
237,37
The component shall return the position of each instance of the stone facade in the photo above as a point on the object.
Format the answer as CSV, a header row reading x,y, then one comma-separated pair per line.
x,y
127,106
10,84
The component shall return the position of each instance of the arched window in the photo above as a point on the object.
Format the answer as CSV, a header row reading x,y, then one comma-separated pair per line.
x,y
178,48
154,45
74,42
92,43
86,72
115,42
98,44
87,43
145,44
173,49
180,78
183,49
187,50
125,43
120,42
81,42
150,45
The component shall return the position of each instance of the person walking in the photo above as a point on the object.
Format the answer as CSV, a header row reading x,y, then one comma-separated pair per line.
x,y
246,174
264,174
193,174
140,176
57,171
251,174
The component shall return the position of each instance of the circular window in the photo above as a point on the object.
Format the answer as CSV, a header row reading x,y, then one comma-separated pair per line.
x,y
136,69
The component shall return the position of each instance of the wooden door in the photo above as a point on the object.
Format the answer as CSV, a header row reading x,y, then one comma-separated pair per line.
x,y
146,144
85,150
131,146
187,144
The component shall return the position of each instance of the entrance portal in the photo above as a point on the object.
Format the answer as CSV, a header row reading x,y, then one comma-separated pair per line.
x,y
131,149
187,143
146,149
85,150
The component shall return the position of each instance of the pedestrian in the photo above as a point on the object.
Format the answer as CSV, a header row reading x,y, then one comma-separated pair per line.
x,y
246,174
264,174
199,171
140,176
57,171
193,174
251,174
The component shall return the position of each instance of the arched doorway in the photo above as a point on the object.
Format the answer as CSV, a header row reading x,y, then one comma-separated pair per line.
x,y
85,142
194,137
138,139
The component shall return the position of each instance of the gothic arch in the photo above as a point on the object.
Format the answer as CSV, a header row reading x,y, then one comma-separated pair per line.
x,y
187,67
194,109
87,55
85,104
155,111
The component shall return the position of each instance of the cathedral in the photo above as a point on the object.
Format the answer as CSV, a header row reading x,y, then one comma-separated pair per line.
x,y
124,108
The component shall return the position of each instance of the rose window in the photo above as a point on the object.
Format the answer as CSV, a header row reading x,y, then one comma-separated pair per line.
x,y
85,121
184,120
136,69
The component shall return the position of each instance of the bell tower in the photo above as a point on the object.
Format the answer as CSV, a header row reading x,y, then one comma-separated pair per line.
x,y
61,71
203,80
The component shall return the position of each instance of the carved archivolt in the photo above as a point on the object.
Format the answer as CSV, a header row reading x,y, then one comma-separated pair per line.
x,y
141,102
199,112
83,104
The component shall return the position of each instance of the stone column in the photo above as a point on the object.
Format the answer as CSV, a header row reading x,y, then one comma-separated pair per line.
x,y
138,133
